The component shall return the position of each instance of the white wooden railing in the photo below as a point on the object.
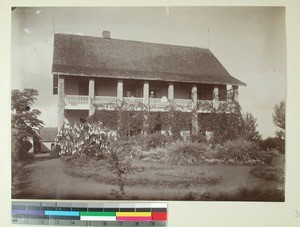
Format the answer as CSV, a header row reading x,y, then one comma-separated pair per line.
x,y
105,99
82,102
76,102
185,103
133,99
158,102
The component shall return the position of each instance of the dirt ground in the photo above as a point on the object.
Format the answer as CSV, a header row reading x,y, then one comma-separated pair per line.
x,y
46,179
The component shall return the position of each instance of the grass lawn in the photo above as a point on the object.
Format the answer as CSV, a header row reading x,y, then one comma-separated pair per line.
x,y
145,174
51,179
182,182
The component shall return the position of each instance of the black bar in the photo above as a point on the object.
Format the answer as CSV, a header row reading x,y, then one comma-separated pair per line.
x,y
94,209
64,217
143,209
63,208
110,209
126,209
159,209
79,209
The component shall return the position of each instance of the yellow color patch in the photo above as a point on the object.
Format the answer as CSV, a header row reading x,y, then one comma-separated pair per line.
x,y
133,214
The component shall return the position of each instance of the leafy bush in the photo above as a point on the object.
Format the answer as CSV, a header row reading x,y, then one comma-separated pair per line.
x,y
119,157
151,141
153,155
200,137
240,150
187,153
91,139
269,173
176,120
273,143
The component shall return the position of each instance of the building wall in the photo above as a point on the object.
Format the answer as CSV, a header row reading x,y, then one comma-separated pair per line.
x,y
105,87
73,116
76,85
182,90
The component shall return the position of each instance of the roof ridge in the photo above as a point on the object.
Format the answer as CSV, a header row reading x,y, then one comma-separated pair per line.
x,y
134,41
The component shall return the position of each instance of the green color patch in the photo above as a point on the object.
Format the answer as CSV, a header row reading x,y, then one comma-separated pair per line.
x,y
108,214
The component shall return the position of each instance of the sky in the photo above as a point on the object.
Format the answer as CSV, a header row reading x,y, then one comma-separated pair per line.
x,y
250,42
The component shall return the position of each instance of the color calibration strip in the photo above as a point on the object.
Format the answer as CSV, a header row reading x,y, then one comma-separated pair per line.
x,y
89,214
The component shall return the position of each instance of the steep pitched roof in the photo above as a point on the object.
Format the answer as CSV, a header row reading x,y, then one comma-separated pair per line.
x,y
113,58
48,134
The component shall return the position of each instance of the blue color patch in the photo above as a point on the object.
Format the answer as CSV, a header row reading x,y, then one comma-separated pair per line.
x,y
61,213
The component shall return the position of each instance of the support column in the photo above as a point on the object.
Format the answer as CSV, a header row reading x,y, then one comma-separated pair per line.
x,y
170,98
235,92
61,102
91,96
120,90
171,91
146,93
216,97
146,103
194,96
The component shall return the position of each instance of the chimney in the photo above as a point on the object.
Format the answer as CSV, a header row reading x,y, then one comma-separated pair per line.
x,y
106,34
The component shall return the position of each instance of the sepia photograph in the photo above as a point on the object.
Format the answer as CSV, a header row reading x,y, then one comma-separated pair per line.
x,y
148,103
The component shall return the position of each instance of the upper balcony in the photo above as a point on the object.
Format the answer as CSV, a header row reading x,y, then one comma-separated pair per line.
x,y
82,93
79,102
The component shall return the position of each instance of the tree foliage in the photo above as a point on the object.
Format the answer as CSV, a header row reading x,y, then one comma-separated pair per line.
x,y
279,115
83,138
132,118
24,121
176,120
119,157
250,128
226,121
95,140
279,118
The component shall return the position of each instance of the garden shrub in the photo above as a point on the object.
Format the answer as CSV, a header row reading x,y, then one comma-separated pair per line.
x,y
90,139
153,155
119,157
200,138
273,143
150,141
187,153
239,150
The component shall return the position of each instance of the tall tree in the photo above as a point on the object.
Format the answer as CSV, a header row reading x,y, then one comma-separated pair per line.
x,y
279,118
250,128
24,121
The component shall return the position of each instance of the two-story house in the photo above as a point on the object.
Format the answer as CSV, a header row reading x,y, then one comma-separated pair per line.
x,y
88,70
